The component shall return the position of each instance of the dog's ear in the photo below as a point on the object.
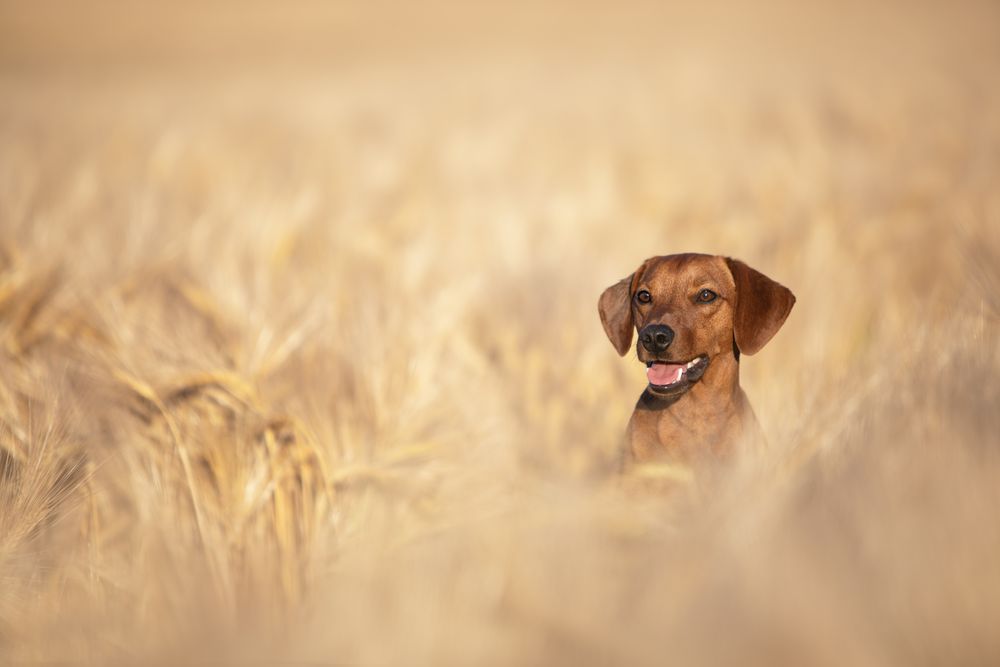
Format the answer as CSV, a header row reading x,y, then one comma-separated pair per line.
x,y
761,307
615,307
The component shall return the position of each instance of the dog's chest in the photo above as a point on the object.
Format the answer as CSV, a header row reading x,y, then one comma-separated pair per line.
x,y
686,432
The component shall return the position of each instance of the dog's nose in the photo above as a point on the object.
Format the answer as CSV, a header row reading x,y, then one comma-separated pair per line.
x,y
656,337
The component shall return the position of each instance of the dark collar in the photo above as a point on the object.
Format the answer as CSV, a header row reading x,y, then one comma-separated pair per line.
x,y
652,402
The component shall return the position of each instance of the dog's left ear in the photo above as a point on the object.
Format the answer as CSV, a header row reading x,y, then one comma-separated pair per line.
x,y
615,307
762,306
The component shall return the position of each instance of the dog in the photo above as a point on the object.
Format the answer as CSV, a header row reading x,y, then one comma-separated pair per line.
x,y
695,315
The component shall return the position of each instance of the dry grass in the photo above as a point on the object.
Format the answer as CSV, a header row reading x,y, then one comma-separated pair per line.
x,y
300,359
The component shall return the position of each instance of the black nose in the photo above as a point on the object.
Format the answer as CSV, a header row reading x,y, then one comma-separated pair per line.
x,y
656,337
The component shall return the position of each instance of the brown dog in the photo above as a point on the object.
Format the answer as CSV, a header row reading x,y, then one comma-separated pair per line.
x,y
695,314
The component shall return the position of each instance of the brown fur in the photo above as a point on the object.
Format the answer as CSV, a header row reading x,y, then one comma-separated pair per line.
x,y
712,417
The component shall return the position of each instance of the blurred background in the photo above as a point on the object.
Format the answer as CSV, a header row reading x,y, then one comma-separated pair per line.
x,y
300,359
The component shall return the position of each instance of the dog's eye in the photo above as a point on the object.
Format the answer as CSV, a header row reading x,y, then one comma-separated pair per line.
x,y
642,296
706,296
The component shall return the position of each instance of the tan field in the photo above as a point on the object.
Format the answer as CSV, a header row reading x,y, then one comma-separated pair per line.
x,y
300,359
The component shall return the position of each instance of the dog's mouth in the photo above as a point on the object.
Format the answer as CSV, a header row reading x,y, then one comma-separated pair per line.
x,y
668,376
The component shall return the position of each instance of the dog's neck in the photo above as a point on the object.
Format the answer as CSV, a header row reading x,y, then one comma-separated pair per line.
x,y
705,420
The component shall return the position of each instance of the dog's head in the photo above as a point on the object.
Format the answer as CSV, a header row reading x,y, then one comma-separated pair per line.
x,y
688,309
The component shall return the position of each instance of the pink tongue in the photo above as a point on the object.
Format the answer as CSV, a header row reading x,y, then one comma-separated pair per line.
x,y
664,373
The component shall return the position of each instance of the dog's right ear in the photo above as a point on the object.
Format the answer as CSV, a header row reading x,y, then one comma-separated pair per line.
x,y
615,307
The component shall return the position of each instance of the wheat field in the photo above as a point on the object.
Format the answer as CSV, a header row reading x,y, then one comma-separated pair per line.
x,y
300,360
